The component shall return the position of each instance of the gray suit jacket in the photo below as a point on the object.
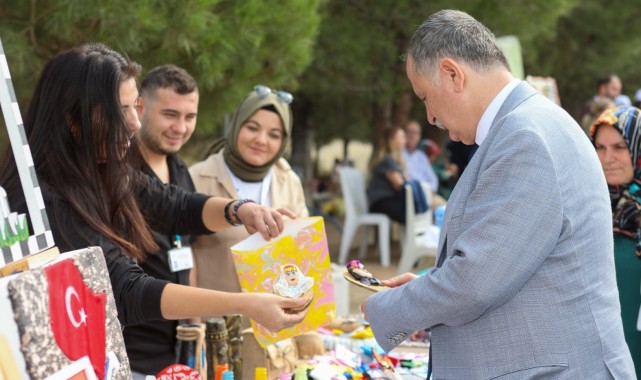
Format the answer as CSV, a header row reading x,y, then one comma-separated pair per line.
x,y
527,286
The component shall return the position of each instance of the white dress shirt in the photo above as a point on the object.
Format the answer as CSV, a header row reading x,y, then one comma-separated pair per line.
x,y
490,113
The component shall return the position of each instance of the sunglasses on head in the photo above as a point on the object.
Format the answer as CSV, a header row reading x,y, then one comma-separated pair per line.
x,y
283,97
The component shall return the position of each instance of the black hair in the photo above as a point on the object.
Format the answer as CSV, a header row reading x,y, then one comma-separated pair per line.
x,y
78,136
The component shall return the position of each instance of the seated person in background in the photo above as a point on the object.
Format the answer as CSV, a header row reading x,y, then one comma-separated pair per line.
x,y
419,166
446,172
385,192
596,108
637,99
246,163
622,101
460,155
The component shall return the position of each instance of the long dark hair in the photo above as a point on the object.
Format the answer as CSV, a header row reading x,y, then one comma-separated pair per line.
x,y
78,137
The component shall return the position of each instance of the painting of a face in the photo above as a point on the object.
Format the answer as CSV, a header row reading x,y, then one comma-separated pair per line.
x,y
291,275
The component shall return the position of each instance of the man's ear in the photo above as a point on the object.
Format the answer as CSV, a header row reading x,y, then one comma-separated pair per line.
x,y
452,73
140,105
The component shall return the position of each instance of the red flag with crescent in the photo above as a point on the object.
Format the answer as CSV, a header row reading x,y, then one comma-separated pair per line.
x,y
77,315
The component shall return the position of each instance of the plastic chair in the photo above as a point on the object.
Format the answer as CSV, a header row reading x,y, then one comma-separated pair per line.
x,y
355,198
419,236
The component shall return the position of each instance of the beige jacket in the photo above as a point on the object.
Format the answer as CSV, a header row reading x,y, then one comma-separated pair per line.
x,y
213,259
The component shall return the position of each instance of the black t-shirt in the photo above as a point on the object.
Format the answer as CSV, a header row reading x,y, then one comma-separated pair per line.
x,y
151,345
379,186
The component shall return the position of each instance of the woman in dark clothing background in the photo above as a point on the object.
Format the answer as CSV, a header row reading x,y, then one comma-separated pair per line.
x,y
385,191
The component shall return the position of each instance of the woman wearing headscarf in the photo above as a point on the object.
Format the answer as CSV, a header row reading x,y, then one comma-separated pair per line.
x,y
247,163
616,135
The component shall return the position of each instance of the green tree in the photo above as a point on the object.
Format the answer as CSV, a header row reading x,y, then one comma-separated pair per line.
x,y
356,85
228,46
591,42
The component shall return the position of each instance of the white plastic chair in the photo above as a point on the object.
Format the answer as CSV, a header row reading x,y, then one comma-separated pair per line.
x,y
419,236
356,214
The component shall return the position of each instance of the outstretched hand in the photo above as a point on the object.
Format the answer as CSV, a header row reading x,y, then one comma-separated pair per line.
x,y
399,280
275,312
392,283
268,221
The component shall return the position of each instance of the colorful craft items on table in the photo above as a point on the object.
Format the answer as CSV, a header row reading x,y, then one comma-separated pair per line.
x,y
358,275
217,347
300,373
364,333
260,373
178,372
220,369
349,358
358,271
192,350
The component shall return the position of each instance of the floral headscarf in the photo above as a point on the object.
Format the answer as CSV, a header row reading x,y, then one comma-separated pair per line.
x,y
625,199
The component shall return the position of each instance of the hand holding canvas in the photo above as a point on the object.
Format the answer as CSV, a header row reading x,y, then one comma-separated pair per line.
x,y
276,313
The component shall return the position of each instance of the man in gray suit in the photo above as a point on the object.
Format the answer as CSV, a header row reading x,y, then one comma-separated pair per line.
x,y
524,285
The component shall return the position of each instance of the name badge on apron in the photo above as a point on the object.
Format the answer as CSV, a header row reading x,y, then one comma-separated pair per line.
x,y
180,259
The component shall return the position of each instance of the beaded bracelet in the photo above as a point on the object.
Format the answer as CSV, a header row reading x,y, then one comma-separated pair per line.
x,y
226,213
232,218
234,213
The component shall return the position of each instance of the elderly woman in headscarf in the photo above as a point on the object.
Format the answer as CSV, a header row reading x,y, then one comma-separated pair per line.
x,y
247,163
616,135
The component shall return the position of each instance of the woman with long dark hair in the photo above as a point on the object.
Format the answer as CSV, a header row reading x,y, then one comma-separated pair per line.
x,y
80,125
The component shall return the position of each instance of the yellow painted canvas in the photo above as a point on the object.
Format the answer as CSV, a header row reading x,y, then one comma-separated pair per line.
x,y
295,264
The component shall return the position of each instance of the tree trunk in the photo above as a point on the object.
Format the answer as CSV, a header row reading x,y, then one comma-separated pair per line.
x,y
382,115
302,141
402,109
346,150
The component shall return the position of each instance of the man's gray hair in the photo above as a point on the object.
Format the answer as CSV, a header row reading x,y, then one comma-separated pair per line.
x,y
456,35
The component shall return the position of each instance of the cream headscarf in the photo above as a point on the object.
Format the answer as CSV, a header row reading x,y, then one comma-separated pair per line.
x,y
252,103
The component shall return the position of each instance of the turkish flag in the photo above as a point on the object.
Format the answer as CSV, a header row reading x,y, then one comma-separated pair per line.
x,y
77,315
